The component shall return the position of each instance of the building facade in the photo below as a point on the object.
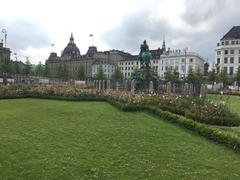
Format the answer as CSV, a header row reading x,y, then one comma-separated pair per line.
x,y
181,62
162,61
227,58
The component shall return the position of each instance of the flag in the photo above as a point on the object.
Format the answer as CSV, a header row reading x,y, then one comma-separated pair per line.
x,y
91,35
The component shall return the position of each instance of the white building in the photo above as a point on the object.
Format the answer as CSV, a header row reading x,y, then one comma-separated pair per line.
x,y
128,65
107,67
227,57
181,61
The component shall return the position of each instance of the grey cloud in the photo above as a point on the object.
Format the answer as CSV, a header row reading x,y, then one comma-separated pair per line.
x,y
134,29
218,15
23,34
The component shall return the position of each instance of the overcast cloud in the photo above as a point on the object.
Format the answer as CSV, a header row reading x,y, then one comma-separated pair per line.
x,y
33,26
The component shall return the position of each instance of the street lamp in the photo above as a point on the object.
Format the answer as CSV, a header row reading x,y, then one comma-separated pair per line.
x,y
4,31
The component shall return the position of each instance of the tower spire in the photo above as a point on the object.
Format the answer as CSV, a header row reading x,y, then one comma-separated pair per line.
x,y
164,44
71,38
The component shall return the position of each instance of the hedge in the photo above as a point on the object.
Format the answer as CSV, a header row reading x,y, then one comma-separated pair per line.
x,y
217,135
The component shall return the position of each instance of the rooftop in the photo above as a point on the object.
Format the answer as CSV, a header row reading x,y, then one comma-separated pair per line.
x,y
234,33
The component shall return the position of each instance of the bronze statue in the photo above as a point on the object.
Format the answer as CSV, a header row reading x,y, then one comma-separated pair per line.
x,y
144,55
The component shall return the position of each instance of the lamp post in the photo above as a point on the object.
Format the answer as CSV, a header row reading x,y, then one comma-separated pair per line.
x,y
4,31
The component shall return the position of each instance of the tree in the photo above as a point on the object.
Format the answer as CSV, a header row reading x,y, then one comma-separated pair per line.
x,y
194,77
237,77
81,74
212,76
27,67
100,74
46,70
117,74
223,78
39,69
63,71
171,76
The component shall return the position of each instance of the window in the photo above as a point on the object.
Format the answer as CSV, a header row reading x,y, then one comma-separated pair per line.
x,y
176,68
225,60
219,53
231,59
238,59
191,60
226,43
233,42
128,68
125,68
231,71
166,68
132,63
232,51
239,51
225,70
162,68
183,60
226,52
222,43
236,42
218,60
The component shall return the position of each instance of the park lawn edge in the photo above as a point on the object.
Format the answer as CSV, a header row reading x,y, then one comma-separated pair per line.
x,y
222,137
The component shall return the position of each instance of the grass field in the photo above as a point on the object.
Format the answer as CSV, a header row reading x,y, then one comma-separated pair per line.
x,y
233,103
48,139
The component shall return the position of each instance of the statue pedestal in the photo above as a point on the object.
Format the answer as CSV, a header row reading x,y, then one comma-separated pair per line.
x,y
142,78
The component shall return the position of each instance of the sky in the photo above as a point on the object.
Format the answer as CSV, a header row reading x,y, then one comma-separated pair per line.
x,y
33,26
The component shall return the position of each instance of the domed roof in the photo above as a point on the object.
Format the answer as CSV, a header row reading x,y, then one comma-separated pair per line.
x,y
71,50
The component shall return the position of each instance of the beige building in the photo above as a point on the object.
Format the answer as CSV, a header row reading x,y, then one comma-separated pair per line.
x,y
73,59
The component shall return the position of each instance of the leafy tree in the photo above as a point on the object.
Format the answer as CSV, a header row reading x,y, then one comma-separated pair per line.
x,y
46,70
100,74
237,77
194,77
27,67
212,77
117,74
171,76
39,69
81,74
223,78
63,71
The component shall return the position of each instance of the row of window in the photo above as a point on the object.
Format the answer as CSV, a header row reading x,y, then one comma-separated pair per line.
x,y
232,51
231,60
233,42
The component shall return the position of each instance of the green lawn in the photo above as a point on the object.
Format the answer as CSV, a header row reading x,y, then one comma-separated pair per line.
x,y
233,103
48,139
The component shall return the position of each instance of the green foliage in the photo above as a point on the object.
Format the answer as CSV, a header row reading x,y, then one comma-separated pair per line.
x,y
194,77
171,76
81,73
100,74
117,74
27,67
63,71
212,76
237,77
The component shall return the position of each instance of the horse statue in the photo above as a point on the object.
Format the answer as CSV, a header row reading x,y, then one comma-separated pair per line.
x,y
144,55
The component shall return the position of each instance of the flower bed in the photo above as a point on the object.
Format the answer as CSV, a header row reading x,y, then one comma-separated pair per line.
x,y
199,109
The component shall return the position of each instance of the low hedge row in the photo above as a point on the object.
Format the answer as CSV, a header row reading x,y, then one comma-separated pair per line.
x,y
211,133
225,93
